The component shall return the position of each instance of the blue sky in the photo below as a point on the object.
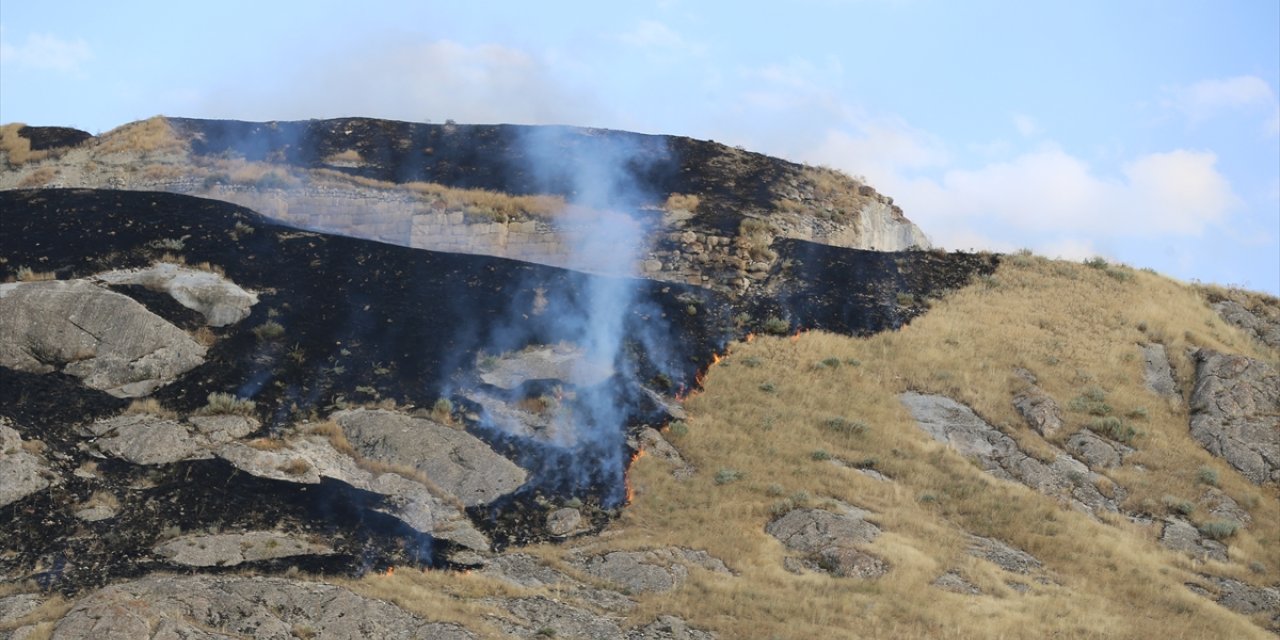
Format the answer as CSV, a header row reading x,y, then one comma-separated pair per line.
x,y
1142,131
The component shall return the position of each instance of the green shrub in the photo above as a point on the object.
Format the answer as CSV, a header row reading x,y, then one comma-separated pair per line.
x,y
1207,476
777,326
768,387
679,428
725,476
1113,428
751,361
1178,505
820,455
845,426
1219,529
1139,413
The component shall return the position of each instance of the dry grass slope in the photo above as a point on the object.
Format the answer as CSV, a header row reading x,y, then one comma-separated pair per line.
x,y
1074,327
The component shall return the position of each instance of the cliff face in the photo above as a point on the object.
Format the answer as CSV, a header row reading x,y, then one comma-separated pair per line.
x,y
435,186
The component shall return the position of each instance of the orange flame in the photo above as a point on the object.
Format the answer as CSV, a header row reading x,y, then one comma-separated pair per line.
x,y
749,338
389,572
626,479
796,336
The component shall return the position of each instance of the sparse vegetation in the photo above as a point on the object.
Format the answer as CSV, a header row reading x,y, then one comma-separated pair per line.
x,y
1114,428
1219,529
682,202
227,404
776,326
269,330
150,407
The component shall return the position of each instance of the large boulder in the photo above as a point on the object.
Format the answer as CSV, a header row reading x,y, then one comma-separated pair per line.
x,y
150,439
1037,407
231,549
830,541
655,570
1261,319
1156,372
461,464
108,340
1235,413
221,301
234,606
309,459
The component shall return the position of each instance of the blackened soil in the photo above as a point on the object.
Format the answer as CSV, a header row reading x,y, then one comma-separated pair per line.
x,y
43,138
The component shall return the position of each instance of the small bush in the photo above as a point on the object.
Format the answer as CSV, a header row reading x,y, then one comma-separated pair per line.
x,y
682,202
1113,428
768,387
220,404
296,467
679,429
1219,529
751,361
774,489
1178,505
1091,401
777,326
906,299
150,407
845,426
820,455
442,410
269,330
725,476
1139,413
1096,263
1207,476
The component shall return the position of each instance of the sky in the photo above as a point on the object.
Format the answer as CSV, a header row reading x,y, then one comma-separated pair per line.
x,y
1141,131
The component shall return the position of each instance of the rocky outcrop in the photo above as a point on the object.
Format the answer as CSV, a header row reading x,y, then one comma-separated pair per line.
x,y
1242,597
1096,451
460,464
1260,320
1235,413
524,570
669,628
1037,407
233,606
110,341
149,439
1004,556
1179,535
958,427
651,442
311,458
830,541
541,617
22,473
954,582
231,549
1156,372
221,301
652,571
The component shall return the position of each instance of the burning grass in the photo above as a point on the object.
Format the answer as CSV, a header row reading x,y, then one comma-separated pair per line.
x,y
1074,327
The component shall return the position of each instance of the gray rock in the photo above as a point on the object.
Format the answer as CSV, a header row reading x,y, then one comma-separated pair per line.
x,y
830,542
459,463
148,439
955,583
18,605
958,427
526,571
21,473
1096,451
1156,372
1235,413
1241,597
96,513
232,606
651,442
669,628
548,362
652,571
1180,535
565,522
1262,322
308,459
108,340
1004,556
221,301
1038,408
1221,506
540,617
231,549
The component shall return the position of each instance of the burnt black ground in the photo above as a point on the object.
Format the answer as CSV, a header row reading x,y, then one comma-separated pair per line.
x,y
44,138
362,321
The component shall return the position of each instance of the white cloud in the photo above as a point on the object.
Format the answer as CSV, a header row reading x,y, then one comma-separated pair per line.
x,y
660,41
42,51
1026,125
1209,99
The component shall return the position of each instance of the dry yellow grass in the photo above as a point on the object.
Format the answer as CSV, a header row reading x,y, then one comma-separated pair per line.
x,y
38,178
154,134
1072,326
682,202
150,407
17,149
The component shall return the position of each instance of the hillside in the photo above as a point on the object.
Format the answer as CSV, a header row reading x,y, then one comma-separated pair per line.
x,y
217,422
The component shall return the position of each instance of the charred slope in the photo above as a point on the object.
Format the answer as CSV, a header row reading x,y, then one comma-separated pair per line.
x,y
500,157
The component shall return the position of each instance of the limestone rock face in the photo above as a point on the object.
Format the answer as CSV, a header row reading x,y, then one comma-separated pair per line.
x,y
830,541
1039,409
232,606
540,617
21,473
221,301
148,439
108,340
459,463
1096,451
1235,413
1262,322
1180,535
957,426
